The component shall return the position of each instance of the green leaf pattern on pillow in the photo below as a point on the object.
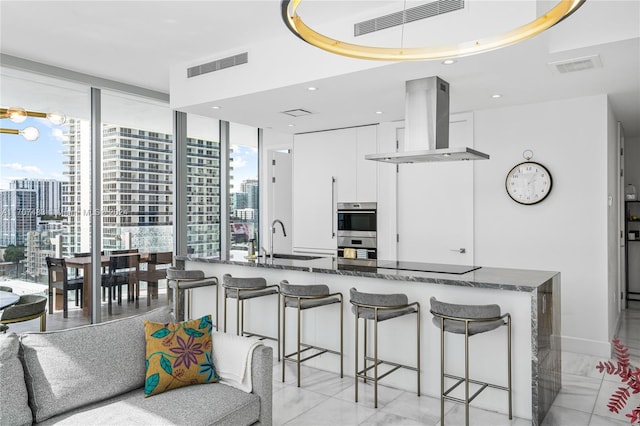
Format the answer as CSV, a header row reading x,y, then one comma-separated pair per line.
x,y
179,354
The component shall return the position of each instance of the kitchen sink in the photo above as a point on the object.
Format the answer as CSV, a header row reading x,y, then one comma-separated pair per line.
x,y
293,256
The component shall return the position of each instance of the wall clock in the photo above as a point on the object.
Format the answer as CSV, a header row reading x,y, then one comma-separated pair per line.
x,y
528,182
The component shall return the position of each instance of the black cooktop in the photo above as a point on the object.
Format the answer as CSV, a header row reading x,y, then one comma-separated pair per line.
x,y
440,268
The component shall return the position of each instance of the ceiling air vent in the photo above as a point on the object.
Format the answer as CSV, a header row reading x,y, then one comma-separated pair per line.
x,y
217,65
576,64
298,112
417,13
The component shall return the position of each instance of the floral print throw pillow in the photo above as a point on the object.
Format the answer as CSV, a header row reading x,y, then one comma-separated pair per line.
x,y
178,354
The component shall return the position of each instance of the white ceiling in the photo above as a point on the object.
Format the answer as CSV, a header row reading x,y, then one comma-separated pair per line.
x,y
136,42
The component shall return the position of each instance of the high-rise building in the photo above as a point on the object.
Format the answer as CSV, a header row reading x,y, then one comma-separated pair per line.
x,y
250,186
48,194
137,194
18,208
239,200
203,196
76,191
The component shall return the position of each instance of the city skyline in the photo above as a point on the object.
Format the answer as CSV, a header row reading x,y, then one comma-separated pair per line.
x,y
43,158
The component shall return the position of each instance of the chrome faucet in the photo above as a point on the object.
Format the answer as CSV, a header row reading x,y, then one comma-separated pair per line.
x,y
273,231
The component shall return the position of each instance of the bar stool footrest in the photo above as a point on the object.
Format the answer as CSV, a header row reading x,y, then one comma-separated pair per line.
x,y
460,380
287,357
260,336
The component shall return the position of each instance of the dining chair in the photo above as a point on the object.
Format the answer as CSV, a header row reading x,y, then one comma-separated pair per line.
x,y
30,306
59,279
122,270
157,266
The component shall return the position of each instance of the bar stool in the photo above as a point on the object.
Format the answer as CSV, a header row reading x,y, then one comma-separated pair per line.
x,y
242,289
377,308
304,297
184,281
468,320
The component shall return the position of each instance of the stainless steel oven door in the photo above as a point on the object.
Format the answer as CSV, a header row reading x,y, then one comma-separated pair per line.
x,y
367,241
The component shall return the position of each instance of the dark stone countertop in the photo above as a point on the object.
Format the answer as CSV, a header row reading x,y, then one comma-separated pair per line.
x,y
523,280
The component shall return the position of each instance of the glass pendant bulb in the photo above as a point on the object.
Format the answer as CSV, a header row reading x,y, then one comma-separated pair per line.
x,y
16,114
56,118
30,133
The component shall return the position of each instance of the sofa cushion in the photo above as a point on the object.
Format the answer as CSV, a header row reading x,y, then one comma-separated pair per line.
x,y
70,368
178,354
211,404
13,391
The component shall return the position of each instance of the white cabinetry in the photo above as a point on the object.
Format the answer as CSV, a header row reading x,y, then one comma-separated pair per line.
x,y
329,167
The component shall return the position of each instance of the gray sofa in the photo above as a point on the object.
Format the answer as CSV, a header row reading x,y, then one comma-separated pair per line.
x,y
95,375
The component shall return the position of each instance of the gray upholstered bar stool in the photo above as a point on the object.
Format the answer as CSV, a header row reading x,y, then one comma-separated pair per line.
x,y
304,297
242,289
468,320
180,282
377,308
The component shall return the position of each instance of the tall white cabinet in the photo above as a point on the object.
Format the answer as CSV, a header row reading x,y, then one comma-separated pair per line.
x,y
328,168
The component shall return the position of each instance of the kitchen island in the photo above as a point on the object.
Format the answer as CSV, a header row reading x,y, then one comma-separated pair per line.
x,y
532,298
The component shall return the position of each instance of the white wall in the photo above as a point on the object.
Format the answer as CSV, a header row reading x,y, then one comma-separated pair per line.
x,y
567,232
632,162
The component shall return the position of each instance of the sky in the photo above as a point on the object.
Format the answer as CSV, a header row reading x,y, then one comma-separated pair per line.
x,y
40,159
43,158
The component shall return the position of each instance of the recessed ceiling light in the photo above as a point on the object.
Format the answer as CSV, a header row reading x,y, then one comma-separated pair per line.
x,y
312,89
449,61
215,107
379,112
496,96
291,125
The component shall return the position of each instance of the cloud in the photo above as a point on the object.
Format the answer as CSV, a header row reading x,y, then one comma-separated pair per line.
x,y
23,168
239,162
58,135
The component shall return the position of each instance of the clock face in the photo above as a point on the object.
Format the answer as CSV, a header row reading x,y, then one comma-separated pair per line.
x,y
528,183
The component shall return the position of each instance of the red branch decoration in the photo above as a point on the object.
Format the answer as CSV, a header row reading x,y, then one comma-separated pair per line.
x,y
629,375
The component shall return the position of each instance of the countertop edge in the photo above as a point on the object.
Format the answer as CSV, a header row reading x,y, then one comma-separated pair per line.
x,y
469,280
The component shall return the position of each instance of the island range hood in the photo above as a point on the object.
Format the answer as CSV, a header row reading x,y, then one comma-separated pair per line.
x,y
426,135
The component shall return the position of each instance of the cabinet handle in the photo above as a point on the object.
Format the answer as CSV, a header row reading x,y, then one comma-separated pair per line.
x,y
334,211
460,250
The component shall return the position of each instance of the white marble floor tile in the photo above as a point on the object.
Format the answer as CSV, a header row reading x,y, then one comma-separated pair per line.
x,y
366,394
578,393
604,421
291,401
333,412
581,365
560,416
478,417
382,418
423,409
326,383
606,390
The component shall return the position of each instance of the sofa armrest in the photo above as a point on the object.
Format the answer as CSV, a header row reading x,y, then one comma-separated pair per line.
x,y
262,381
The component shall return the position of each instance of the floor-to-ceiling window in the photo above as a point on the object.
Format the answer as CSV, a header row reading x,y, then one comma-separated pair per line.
x,y
137,173
46,186
203,186
41,202
244,190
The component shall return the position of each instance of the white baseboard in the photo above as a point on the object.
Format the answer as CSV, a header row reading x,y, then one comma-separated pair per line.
x,y
586,346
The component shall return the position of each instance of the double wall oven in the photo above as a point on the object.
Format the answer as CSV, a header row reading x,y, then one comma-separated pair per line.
x,y
357,234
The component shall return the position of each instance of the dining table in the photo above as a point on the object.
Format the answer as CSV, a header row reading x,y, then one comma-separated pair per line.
x,y
84,263
8,298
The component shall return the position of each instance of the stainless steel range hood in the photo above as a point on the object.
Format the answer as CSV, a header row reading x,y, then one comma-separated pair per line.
x,y
426,137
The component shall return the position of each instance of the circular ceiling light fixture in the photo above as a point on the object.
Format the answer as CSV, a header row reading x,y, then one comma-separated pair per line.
x,y
296,25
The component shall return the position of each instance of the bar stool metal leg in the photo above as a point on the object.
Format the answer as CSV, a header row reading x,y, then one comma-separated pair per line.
x,y
379,308
476,319
303,297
